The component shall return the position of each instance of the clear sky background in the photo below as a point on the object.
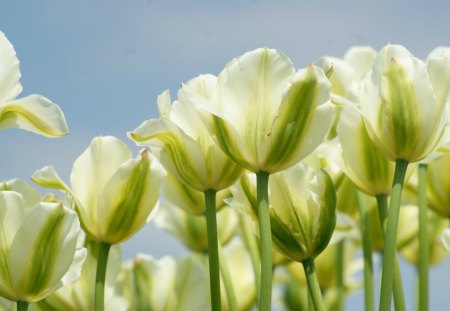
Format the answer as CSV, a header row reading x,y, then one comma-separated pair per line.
x,y
105,61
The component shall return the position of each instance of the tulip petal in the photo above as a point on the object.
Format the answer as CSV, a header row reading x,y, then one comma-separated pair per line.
x,y
90,173
129,197
48,177
12,212
180,154
10,86
34,113
43,250
303,120
29,194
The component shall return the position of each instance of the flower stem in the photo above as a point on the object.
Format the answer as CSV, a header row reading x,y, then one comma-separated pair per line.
x,y
22,305
313,284
387,277
252,247
265,233
340,275
423,239
102,260
399,299
213,249
369,300
229,288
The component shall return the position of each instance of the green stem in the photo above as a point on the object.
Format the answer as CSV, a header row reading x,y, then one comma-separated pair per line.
x,y
22,305
213,249
226,278
399,299
265,233
369,300
387,277
340,266
423,239
252,246
102,261
313,284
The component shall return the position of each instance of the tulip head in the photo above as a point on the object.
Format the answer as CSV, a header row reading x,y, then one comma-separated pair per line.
x,y
303,216
113,193
182,142
39,251
265,116
399,99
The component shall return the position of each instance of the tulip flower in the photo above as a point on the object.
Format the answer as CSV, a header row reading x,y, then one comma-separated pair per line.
x,y
166,284
267,117
403,104
187,150
39,251
113,193
33,113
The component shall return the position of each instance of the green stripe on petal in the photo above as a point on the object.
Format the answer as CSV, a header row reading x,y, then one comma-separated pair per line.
x,y
398,110
129,198
34,113
291,127
43,250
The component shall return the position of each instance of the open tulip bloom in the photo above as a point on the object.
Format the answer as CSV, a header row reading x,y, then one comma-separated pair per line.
x,y
33,113
39,251
188,151
267,117
113,193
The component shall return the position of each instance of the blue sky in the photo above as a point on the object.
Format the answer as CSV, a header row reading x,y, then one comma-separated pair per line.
x,y
105,62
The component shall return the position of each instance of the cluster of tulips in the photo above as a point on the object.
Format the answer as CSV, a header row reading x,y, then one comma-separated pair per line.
x,y
273,177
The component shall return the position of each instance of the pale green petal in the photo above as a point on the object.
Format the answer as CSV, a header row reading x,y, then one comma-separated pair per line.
x,y
90,173
180,154
164,104
364,164
48,177
29,194
12,212
34,113
445,238
438,65
361,59
10,86
302,122
128,198
340,74
43,250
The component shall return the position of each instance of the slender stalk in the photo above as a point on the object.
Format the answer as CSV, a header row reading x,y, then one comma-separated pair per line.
x,y
226,278
340,276
423,240
387,277
22,305
213,249
399,299
102,260
265,233
252,246
310,301
369,300
313,284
